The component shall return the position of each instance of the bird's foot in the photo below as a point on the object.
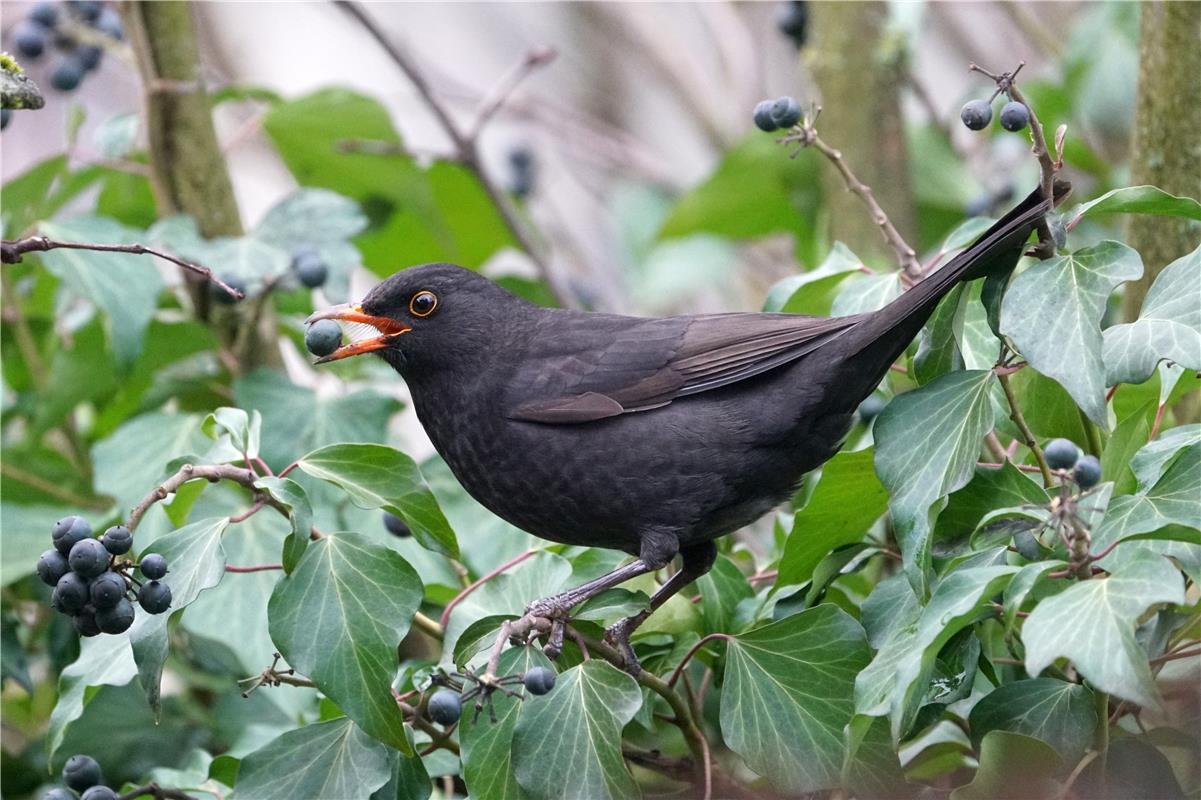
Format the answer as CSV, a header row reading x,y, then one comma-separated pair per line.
x,y
484,686
549,615
618,635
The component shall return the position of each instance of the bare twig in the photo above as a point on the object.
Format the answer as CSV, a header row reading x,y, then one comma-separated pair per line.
x,y
679,670
427,626
466,151
1015,414
253,568
535,58
190,472
806,136
512,562
12,250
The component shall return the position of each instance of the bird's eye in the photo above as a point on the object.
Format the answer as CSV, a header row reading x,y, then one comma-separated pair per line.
x,y
423,304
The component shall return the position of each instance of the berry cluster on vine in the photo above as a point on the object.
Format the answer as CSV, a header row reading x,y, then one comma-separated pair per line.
x,y
83,780
92,585
57,26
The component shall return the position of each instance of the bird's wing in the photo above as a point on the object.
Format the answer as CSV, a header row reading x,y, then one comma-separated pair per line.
x,y
599,367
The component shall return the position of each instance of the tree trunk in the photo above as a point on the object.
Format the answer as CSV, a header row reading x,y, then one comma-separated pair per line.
x,y
1167,135
858,69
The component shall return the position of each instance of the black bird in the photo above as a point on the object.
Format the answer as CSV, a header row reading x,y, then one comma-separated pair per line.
x,y
652,436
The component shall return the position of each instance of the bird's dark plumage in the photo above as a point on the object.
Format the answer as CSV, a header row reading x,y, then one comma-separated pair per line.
x,y
653,436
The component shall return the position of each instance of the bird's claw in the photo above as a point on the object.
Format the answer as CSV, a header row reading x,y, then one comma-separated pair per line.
x,y
618,635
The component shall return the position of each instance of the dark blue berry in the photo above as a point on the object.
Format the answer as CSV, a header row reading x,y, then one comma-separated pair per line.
x,y
82,772
1061,454
785,112
117,540
85,622
1087,472
762,117
68,531
871,407
445,707
153,566
88,558
107,590
1014,116
87,10
521,167
70,594
155,597
29,38
68,74
539,680
52,565
309,267
323,337
116,619
89,56
793,21
396,526
45,14
976,114
109,23
99,793
223,297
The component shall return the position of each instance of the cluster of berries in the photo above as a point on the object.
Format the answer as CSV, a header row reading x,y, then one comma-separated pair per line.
x,y
55,24
81,774
91,586
772,115
976,114
445,706
1064,455
308,267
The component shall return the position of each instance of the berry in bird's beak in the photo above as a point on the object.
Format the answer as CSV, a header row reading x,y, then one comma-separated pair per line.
x,y
386,328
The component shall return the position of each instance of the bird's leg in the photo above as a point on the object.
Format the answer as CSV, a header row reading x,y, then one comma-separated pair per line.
x,y
695,561
556,608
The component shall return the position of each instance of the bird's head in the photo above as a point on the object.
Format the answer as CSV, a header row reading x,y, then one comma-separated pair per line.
x,y
427,317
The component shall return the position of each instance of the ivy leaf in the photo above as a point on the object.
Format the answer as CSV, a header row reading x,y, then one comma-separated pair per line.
x,y
927,441
311,216
103,661
1149,463
244,430
338,619
325,759
1013,765
863,293
848,499
125,287
291,494
938,346
893,682
1138,200
1175,499
488,746
1168,327
813,292
1092,623
1061,714
722,589
195,562
567,744
132,460
376,476
787,696
1053,311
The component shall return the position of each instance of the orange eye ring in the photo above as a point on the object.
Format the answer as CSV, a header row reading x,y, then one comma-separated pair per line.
x,y
423,303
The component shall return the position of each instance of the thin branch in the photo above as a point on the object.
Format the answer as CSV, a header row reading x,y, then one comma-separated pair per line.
x,y
512,562
50,487
675,675
496,99
1174,656
11,251
1015,414
253,568
190,472
427,626
807,136
466,152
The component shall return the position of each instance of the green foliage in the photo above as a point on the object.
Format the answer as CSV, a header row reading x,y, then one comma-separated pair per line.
x,y
920,619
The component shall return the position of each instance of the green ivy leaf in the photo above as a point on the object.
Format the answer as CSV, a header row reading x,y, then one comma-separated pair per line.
x,y
376,476
125,287
1053,311
1138,200
1092,623
1175,499
848,500
1168,327
938,346
927,442
244,430
291,494
103,661
1149,463
894,681
487,745
567,744
863,293
1061,714
788,695
1013,765
310,216
132,461
326,759
722,589
339,618
813,292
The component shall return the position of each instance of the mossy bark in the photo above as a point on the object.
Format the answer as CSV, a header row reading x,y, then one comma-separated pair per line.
x,y
1167,135
859,67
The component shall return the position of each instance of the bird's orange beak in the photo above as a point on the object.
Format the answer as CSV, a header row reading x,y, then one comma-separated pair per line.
x,y
387,328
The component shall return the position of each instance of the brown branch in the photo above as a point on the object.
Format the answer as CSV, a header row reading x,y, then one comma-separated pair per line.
x,y
210,472
12,250
1166,657
1015,414
466,150
675,675
458,598
253,568
807,136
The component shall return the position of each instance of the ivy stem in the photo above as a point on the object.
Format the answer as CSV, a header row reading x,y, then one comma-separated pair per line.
x,y
1102,737
1015,414
427,626
1092,433
471,587
679,670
